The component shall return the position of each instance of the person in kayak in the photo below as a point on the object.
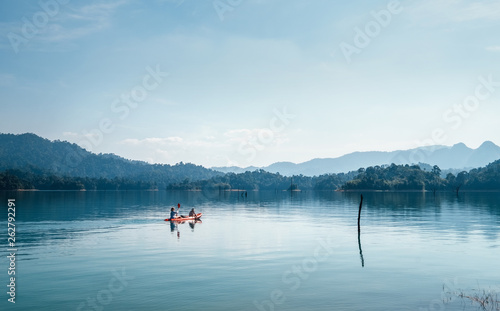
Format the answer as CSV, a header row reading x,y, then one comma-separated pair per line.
x,y
192,213
173,213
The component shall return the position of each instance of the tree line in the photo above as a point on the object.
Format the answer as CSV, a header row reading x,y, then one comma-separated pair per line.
x,y
412,177
263,180
28,180
386,178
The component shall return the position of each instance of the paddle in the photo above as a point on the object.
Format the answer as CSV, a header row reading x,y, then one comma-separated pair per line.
x,y
178,207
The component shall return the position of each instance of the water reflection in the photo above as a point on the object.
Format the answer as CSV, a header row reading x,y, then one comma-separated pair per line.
x,y
360,250
247,244
174,225
50,213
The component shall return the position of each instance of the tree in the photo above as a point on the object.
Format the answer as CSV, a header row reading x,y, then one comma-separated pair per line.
x,y
436,170
461,180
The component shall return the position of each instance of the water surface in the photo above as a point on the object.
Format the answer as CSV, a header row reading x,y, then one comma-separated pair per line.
x,y
265,251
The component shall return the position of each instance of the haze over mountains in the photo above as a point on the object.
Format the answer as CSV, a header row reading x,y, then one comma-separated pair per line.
x,y
29,151
458,156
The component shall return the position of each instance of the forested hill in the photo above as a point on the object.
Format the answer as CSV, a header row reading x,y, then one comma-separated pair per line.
x,y
399,177
28,161
262,180
389,178
29,153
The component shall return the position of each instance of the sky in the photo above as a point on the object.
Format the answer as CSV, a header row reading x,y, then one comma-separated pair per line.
x,y
250,82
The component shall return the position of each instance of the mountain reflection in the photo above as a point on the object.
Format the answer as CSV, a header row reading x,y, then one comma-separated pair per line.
x,y
65,214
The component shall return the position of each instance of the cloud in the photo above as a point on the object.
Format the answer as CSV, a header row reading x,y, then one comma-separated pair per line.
x,y
174,141
152,141
71,134
256,136
493,48
162,101
173,149
176,2
7,79
445,11
82,137
63,26
478,10
82,21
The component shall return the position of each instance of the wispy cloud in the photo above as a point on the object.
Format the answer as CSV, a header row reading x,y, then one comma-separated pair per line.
x,y
478,10
493,48
173,149
70,134
67,24
177,3
152,141
446,11
79,22
7,79
255,136
79,137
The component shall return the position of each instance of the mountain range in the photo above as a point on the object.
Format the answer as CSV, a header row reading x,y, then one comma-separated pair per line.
x,y
31,153
34,153
456,157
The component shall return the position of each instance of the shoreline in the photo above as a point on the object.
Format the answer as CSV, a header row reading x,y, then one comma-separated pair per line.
x,y
254,190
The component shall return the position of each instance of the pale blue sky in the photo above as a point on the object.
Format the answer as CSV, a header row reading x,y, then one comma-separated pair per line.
x,y
65,66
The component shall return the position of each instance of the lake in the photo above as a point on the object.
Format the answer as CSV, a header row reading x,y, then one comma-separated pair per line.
x,y
264,251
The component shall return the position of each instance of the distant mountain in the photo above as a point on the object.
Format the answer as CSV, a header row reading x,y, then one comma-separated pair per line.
x,y
29,152
458,157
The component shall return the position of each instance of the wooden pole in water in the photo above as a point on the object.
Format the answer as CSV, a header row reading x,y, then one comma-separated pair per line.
x,y
360,250
359,212
359,233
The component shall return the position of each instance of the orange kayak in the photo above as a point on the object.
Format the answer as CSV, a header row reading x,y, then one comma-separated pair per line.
x,y
198,216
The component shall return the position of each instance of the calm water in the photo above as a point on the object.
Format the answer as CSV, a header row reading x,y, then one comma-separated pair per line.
x,y
268,251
